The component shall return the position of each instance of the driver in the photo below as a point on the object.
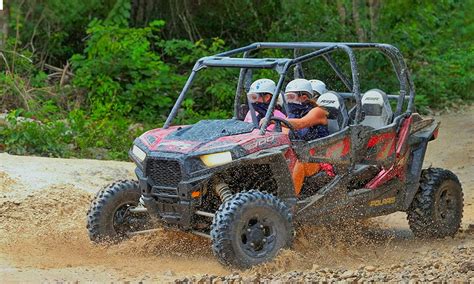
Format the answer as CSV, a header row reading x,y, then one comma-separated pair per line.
x,y
260,94
310,121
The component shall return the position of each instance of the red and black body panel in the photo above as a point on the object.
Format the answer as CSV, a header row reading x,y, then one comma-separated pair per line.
x,y
173,170
396,150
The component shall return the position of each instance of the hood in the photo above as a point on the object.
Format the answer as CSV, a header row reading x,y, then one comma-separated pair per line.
x,y
185,139
209,130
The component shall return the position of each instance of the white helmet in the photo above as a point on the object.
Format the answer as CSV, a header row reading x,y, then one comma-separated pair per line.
x,y
318,87
299,85
262,86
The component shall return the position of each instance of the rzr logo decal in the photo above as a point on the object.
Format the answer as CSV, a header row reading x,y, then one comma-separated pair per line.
x,y
327,101
372,99
259,142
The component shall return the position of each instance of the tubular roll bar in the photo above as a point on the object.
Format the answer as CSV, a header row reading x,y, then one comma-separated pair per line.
x,y
281,65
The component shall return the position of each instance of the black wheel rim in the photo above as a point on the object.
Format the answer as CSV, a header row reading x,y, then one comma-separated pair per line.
x,y
448,210
125,221
258,237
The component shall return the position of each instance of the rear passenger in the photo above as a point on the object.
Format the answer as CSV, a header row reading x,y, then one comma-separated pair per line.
x,y
318,87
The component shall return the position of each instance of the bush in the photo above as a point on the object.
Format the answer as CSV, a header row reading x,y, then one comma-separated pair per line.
x,y
26,136
121,74
106,138
75,136
129,75
129,68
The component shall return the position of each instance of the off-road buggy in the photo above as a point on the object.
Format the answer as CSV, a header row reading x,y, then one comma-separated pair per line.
x,y
230,180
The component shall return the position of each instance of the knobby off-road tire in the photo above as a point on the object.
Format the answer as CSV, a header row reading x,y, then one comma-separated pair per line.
x,y
109,218
250,229
436,211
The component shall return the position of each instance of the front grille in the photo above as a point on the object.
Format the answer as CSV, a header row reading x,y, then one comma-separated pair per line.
x,y
163,172
165,192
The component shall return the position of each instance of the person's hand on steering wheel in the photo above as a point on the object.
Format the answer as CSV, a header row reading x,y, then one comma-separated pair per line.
x,y
263,120
281,125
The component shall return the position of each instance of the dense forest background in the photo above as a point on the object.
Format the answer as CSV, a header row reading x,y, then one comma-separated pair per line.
x,y
83,78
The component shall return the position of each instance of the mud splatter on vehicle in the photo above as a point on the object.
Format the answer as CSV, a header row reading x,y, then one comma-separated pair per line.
x,y
232,181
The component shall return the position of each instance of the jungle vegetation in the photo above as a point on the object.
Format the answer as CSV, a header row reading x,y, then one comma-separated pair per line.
x,y
83,78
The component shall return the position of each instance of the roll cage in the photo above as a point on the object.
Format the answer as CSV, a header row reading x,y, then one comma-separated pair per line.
x,y
283,65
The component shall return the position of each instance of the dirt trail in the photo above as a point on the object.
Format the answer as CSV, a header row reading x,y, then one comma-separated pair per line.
x,y
43,238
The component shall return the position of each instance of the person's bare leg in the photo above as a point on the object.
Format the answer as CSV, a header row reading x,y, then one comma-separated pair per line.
x,y
311,169
302,170
298,177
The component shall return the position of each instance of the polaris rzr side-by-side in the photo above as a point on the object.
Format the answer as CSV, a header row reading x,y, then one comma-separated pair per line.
x,y
231,180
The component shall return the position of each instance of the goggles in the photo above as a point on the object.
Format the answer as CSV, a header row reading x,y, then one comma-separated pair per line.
x,y
253,97
292,97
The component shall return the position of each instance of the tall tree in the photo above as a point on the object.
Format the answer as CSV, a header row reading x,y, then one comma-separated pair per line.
x,y
374,7
4,18
341,10
357,21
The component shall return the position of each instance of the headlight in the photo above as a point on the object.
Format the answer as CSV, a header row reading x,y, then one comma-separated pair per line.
x,y
138,153
217,159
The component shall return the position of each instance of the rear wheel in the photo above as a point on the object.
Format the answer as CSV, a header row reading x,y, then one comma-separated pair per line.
x,y
250,229
109,217
436,210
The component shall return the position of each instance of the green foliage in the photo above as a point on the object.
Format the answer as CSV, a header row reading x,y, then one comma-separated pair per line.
x,y
35,138
74,136
19,79
129,66
120,14
102,138
213,90
434,37
456,66
121,74
53,29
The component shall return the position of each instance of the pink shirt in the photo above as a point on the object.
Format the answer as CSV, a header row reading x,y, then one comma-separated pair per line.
x,y
276,113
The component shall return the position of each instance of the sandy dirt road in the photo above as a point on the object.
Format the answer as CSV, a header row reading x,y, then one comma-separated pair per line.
x,y
43,202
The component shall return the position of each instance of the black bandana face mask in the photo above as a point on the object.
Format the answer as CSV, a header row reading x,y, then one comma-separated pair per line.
x,y
260,108
294,107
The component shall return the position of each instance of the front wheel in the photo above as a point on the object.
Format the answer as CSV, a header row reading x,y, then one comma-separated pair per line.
x,y
250,229
436,210
109,217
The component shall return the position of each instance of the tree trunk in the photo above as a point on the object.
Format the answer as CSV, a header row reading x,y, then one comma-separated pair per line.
x,y
4,17
356,17
341,11
374,7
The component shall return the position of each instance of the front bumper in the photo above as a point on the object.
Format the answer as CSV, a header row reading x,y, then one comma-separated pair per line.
x,y
168,179
172,205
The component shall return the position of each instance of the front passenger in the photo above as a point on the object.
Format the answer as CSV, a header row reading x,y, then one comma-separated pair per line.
x,y
304,114
310,121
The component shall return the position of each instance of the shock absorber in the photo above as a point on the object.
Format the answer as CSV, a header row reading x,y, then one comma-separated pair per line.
x,y
223,190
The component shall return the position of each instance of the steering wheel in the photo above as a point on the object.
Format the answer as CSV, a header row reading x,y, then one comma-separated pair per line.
x,y
279,121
